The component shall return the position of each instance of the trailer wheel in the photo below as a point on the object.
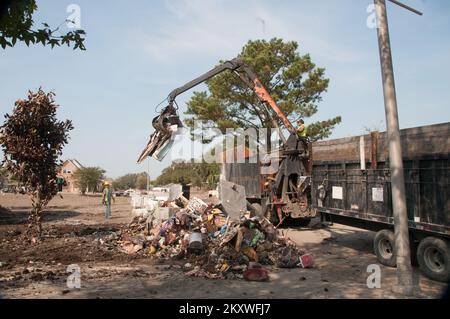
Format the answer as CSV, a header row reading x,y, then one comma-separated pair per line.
x,y
384,247
433,255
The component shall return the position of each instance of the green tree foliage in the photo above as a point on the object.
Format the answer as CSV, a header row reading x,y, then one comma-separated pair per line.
x,y
32,139
198,174
125,182
133,181
89,178
3,177
16,24
141,181
293,80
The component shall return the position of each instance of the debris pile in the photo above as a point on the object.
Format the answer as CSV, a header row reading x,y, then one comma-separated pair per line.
x,y
210,242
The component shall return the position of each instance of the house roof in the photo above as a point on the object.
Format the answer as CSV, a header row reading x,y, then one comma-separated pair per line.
x,y
76,163
73,162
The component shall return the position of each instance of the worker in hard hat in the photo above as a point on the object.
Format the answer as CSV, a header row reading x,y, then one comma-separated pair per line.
x,y
107,197
302,130
302,133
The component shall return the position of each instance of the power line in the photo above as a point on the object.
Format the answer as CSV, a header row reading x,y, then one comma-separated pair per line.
x,y
406,7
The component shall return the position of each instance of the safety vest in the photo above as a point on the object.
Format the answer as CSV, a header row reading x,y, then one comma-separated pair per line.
x,y
304,133
107,193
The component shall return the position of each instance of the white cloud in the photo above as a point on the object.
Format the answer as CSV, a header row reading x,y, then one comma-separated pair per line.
x,y
219,29
199,28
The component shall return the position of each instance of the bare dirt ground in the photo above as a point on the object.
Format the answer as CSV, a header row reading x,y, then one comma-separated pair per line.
x,y
77,233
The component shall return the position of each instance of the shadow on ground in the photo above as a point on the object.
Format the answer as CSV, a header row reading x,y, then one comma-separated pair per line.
x,y
20,217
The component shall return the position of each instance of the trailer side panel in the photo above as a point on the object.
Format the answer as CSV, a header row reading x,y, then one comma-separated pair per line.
x,y
353,191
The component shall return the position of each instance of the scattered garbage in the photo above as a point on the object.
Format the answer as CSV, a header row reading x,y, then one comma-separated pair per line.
x,y
195,243
129,248
255,272
233,198
210,240
197,206
143,206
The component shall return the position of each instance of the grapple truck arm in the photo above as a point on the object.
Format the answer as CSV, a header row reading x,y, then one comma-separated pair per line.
x,y
247,76
289,192
168,121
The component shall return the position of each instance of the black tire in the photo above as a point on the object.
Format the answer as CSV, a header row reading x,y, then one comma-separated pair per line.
x,y
433,256
384,247
413,244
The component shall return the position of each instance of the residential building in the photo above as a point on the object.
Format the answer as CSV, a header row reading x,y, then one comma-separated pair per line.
x,y
67,169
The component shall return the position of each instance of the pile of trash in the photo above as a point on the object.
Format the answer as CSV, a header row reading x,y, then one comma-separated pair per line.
x,y
210,243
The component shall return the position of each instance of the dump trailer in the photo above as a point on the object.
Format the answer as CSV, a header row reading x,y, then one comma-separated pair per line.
x,y
351,185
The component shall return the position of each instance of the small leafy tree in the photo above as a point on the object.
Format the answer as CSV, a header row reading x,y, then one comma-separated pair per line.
x,y
141,181
89,178
134,180
203,174
32,140
125,182
16,24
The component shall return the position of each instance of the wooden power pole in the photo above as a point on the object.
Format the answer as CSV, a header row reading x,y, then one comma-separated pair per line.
x,y
402,246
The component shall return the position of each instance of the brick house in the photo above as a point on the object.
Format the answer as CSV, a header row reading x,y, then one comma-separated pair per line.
x,y
67,169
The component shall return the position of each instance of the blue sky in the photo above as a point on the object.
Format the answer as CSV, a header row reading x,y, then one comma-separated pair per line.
x,y
138,51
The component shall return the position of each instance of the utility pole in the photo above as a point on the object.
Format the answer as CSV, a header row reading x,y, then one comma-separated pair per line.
x,y
402,246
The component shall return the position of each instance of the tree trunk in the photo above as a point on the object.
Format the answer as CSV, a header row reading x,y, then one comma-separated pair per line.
x,y
34,223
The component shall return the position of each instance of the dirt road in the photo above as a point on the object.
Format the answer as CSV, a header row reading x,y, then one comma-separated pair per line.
x,y
77,233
